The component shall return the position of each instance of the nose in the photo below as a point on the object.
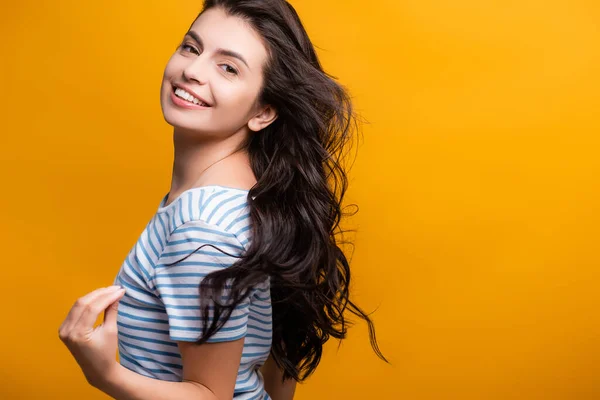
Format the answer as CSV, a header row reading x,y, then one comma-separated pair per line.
x,y
197,70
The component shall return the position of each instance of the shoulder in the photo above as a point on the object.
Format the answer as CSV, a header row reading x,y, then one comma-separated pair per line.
x,y
211,211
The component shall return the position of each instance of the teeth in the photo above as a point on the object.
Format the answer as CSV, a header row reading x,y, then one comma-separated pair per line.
x,y
186,96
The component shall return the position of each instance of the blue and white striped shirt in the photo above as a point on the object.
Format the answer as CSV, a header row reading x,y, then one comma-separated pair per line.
x,y
162,306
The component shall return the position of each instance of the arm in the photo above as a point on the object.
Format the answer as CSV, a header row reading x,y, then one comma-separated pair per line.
x,y
274,386
209,373
209,370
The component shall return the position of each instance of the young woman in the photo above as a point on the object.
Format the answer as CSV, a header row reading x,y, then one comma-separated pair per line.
x,y
238,280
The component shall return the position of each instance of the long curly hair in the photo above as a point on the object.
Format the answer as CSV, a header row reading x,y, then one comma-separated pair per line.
x,y
296,204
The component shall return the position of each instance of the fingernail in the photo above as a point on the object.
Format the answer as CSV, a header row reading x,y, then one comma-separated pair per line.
x,y
116,287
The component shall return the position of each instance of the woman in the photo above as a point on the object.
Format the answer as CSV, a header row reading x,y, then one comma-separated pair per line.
x,y
238,280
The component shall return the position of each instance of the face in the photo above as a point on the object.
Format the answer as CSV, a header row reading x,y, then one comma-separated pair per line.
x,y
211,84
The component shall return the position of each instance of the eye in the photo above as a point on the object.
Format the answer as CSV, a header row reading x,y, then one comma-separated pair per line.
x,y
189,48
229,69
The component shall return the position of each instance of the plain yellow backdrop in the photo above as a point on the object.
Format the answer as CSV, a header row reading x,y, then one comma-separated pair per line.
x,y
477,182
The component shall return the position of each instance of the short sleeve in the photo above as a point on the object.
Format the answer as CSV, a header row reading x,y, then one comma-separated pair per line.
x,y
192,251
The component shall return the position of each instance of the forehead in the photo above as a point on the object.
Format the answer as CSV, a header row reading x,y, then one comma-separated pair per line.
x,y
221,31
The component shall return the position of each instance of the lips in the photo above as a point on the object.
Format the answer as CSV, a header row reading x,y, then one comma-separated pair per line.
x,y
192,93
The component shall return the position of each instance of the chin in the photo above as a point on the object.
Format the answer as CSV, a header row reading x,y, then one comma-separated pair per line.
x,y
178,124
189,128
181,118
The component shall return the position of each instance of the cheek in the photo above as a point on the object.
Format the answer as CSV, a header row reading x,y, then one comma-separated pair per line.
x,y
173,65
237,99
169,73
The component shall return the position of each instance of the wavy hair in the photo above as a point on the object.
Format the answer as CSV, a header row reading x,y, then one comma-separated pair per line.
x,y
296,204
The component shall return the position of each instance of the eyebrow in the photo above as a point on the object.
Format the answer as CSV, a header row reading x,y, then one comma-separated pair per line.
x,y
224,52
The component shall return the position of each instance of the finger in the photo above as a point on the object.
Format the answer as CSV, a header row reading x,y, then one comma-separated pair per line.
x,y
81,305
98,292
91,312
76,311
110,315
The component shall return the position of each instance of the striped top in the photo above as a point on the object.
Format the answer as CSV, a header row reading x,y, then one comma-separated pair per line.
x,y
162,306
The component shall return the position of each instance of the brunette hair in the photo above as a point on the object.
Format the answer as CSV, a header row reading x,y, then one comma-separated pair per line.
x,y
296,204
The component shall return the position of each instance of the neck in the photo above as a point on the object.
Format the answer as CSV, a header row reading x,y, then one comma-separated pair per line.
x,y
194,159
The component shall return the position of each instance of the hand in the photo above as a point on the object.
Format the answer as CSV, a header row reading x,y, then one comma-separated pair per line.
x,y
94,348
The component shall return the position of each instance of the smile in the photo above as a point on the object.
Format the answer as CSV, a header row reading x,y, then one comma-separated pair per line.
x,y
189,98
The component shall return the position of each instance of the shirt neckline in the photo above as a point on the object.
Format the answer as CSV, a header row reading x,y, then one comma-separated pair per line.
x,y
163,208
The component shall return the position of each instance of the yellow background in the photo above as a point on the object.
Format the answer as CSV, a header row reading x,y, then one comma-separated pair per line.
x,y
477,182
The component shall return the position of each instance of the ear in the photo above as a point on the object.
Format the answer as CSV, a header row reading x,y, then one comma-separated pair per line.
x,y
264,118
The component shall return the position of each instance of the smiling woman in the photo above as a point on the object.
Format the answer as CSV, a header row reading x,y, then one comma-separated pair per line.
x,y
238,280
219,65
